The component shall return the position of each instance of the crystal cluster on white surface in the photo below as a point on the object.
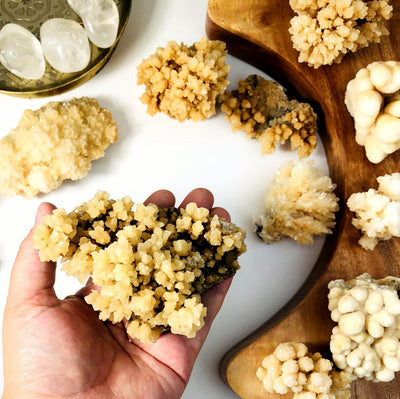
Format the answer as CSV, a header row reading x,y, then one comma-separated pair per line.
x,y
21,52
65,45
100,19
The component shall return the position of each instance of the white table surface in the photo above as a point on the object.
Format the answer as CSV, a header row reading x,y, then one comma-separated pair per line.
x,y
159,152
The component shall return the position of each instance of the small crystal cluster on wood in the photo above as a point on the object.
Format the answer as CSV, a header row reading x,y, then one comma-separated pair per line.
x,y
63,43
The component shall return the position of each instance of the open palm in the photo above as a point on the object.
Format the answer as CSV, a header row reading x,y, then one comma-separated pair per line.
x,y
56,348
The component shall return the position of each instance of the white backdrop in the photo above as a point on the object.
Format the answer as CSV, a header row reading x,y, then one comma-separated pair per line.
x,y
159,152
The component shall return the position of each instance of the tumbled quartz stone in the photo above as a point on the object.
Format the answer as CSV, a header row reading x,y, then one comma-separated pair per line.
x,y
21,52
100,19
65,45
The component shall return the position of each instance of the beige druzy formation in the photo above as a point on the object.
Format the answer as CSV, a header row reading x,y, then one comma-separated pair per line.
x,y
264,111
184,81
54,143
365,343
377,212
324,31
190,82
152,264
299,204
373,100
291,368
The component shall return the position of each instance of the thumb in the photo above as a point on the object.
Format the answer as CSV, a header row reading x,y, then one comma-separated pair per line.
x,y
31,279
212,300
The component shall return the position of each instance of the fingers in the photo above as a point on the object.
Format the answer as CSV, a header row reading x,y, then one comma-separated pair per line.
x,y
221,212
31,279
161,198
201,196
212,300
187,349
87,289
204,198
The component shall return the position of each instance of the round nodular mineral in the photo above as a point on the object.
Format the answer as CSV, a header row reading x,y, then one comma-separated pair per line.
x,y
65,45
21,52
100,19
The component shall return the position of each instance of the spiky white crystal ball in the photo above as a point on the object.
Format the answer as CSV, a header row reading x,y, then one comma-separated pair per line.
x,y
65,45
100,19
21,52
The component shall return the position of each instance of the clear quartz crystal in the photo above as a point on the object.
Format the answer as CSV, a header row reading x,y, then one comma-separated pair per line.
x,y
100,19
21,52
65,45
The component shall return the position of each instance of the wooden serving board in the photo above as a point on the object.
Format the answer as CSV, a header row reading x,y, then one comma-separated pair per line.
x,y
257,32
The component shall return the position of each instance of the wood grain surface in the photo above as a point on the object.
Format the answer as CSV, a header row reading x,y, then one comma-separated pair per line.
x,y
257,32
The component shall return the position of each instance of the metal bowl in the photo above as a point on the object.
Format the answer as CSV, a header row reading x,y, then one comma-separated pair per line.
x,y
31,14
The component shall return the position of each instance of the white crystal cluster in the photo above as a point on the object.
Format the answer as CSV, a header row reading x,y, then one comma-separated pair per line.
x,y
63,43
377,212
366,341
373,100
291,368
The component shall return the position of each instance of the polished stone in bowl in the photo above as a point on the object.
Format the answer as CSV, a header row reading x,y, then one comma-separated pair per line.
x,y
100,19
65,45
21,52
31,15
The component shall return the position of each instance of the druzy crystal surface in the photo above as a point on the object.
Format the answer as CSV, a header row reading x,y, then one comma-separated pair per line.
x,y
65,45
21,52
100,19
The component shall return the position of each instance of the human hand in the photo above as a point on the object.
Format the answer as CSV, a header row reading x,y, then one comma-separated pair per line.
x,y
56,348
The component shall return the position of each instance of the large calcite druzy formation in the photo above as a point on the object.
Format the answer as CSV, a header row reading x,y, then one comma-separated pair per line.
x,y
53,143
152,263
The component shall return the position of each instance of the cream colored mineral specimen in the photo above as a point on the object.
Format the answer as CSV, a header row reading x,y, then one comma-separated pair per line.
x,y
377,212
299,204
365,343
262,109
184,82
54,143
373,100
291,368
324,31
152,264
